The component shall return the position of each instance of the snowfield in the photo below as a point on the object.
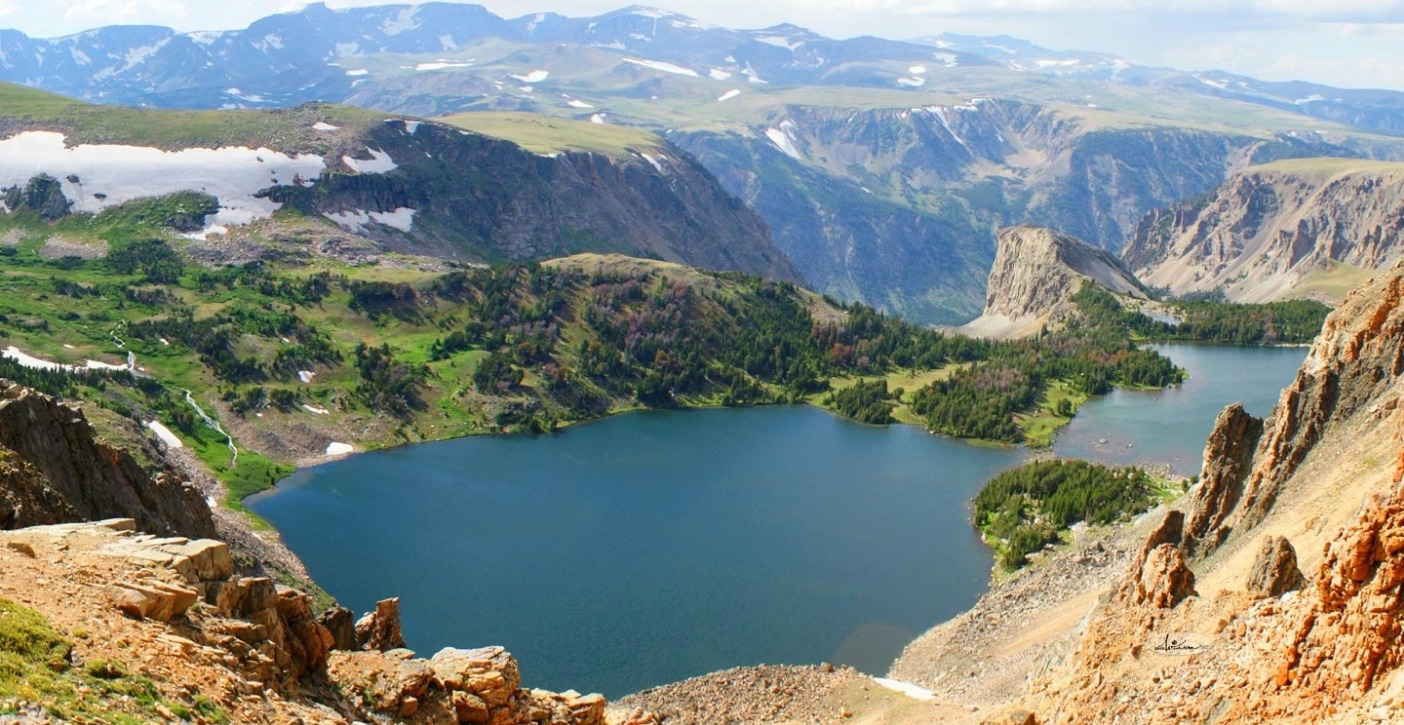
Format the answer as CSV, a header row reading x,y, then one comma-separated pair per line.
x,y
29,361
662,66
782,138
165,434
357,219
379,163
110,175
535,76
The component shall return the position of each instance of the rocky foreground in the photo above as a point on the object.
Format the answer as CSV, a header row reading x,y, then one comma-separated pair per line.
x,y
170,616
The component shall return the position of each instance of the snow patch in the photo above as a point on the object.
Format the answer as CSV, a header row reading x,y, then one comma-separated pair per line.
x,y
717,74
947,59
751,74
324,126
940,114
379,163
358,72
906,688
111,175
1313,98
917,70
412,127
1061,62
783,138
654,161
207,232
911,82
305,376
339,449
164,434
575,103
442,64
1221,85
315,410
779,42
29,361
728,95
406,21
662,66
356,220
597,118
535,76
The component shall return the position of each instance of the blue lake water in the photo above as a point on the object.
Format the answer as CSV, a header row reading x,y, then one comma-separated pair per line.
x,y
1170,426
651,547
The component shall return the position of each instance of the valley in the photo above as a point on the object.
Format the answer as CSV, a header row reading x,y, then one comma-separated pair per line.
x,y
937,373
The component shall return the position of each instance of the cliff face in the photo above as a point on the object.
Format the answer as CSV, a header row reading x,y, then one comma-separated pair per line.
x,y
1035,271
1289,228
898,206
482,198
1278,597
54,469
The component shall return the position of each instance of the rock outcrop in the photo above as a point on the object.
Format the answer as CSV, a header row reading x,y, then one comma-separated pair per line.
x,y
55,469
1228,459
1159,576
1285,229
1035,271
1275,570
175,610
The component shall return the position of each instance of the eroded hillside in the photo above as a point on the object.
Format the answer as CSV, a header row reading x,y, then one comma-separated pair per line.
x,y
1300,228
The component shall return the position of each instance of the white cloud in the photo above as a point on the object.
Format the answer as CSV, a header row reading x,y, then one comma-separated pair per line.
x,y
102,12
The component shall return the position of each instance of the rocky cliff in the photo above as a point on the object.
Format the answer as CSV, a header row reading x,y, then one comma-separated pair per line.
x,y
54,468
123,613
1035,271
379,183
1305,227
1277,596
486,199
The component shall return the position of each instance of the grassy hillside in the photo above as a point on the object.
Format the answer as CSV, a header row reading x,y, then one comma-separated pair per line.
x,y
546,134
288,130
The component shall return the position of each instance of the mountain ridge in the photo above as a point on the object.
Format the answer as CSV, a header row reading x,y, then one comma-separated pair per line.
x,y
1289,228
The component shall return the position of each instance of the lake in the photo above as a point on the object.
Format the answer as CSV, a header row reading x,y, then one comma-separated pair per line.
x,y
652,547
1170,426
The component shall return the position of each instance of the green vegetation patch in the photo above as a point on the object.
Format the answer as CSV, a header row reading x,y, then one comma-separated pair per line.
x,y
1021,510
545,134
36,669
1208,319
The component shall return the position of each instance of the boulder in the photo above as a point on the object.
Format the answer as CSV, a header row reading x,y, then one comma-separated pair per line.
x,y
152,600
488,672
1275,569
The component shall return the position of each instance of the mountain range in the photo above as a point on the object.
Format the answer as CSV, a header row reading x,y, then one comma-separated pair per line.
x,y
883,168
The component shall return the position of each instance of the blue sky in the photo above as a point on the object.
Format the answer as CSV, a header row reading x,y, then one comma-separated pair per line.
x,y
1349,43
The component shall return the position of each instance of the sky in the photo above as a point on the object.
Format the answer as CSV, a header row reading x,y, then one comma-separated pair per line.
x,y
1347,43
